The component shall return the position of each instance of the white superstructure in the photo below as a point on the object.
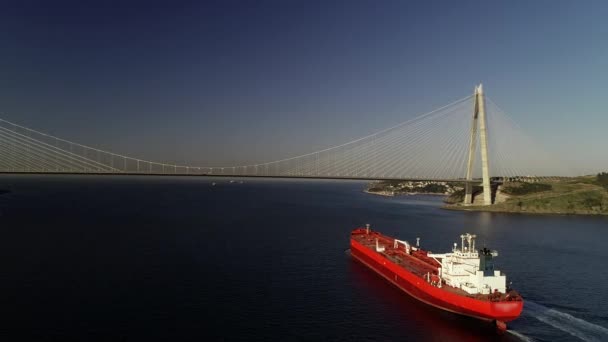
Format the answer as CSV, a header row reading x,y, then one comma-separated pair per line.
x,y
470,270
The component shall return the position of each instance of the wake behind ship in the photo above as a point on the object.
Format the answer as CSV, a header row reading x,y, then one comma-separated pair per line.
x,y
463,281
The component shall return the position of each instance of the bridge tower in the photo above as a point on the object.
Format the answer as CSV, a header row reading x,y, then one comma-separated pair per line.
x,y
479,117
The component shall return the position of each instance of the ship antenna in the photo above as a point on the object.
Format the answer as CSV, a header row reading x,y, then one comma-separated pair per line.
x,y
462,243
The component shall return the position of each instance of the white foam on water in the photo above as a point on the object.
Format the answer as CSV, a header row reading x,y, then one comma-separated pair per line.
x,y
520,336
574,326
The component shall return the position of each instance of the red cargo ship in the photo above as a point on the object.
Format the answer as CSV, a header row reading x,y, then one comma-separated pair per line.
x,y
463,281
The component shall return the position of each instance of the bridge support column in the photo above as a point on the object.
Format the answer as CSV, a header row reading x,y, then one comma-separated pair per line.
x,y
479,116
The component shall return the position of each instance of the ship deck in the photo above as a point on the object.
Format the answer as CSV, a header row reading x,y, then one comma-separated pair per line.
x,y
416,263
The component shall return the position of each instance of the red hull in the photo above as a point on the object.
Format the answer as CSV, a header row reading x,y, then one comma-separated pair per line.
x,y
420,289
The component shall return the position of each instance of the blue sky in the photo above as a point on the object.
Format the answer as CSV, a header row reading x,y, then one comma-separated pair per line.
x,y
250,81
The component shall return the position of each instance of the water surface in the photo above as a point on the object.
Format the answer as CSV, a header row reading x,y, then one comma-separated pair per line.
x,y
176,258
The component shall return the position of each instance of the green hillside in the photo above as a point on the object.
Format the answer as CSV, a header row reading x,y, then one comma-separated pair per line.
x,y
581,195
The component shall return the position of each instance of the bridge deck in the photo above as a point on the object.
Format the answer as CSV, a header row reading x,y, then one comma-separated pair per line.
x,y
241,176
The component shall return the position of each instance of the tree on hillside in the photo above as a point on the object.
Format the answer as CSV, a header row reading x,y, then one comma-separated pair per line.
x,y
602,179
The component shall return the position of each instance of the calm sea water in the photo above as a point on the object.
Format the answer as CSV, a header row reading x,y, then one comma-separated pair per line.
x,y
165,259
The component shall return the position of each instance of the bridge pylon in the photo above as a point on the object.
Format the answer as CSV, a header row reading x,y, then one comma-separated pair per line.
x,y
479,119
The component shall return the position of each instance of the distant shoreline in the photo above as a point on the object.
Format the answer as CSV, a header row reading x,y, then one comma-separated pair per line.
x,y
489,209
586,195
403,193
394,188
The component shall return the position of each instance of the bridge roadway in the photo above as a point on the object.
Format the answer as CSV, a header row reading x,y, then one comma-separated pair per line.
x,y
243,176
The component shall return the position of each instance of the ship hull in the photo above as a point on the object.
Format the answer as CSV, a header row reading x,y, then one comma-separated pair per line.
x,y
432,295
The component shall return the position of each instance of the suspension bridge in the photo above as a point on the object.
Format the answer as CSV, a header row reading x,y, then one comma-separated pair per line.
x,y
444,144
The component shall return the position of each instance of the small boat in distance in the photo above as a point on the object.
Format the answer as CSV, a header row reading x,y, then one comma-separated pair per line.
x,y
462,281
